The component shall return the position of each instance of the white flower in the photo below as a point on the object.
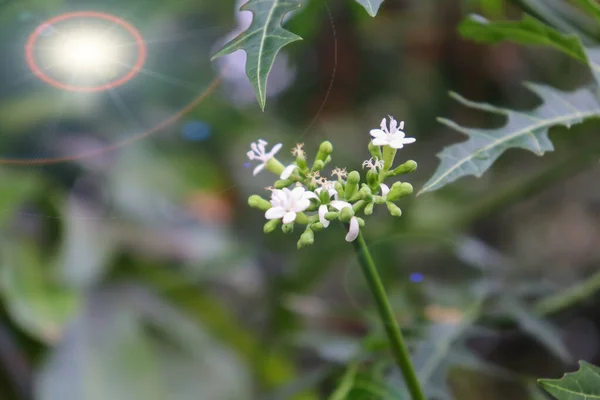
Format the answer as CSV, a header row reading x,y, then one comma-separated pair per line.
x,y
287,172
259,152
385,189
394,137
354,227
287,203
373,164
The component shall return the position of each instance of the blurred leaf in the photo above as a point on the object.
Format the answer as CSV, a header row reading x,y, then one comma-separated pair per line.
x,y
262,41
110,352
372,6
537,328
583,384
529,31
525,130
591,7
40,306
341,393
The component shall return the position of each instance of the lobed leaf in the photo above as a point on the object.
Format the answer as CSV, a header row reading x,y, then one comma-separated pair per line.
x,y
263,39
583,384
524,130
372,6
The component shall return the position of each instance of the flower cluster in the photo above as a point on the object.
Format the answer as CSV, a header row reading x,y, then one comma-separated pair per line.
x,y
303,195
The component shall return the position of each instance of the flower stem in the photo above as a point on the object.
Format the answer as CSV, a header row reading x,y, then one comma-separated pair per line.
x,y
399,349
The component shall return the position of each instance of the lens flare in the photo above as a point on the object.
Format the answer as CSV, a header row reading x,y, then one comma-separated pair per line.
x,y
91,55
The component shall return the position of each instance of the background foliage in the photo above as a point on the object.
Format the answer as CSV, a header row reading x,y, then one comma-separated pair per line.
x,y
142,273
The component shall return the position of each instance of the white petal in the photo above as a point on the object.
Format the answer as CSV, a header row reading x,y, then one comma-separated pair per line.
x,y
353,231
396,144
251,155
287,172
401,125
377,133
322,212
399,134
300,205
384,189
380,142
290,216
274,150
262,142
339,204
309,195
258,168
409,140
275,213
297,192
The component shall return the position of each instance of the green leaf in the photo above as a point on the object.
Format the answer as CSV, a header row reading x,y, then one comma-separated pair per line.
x,y
372,6
38,305
537,328
583,384
524,130
591,7
528,31
347,383
262,41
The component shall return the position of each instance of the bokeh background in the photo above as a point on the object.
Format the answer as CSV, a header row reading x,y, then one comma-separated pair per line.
x,y
139,272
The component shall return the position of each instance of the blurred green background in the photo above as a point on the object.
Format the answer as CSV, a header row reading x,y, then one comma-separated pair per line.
x,y
139,271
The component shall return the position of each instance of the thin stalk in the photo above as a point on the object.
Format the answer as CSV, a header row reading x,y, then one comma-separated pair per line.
x,y
399,349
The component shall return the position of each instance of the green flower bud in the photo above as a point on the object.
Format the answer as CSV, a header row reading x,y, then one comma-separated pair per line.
x,y
388,157
346,214
361,222
301,161
369,208
287,228
255,201
306,239
399,190
282,183
318,165
330,216
271,225
352,184
358,206
373,180
317,226
375,151
325,149
274,166
339,188
324,196
405,168
301,218
327,160
394,209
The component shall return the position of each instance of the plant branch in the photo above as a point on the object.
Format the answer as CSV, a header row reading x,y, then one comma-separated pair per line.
x,y
399,349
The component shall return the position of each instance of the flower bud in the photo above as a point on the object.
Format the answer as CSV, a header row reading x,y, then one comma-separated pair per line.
x,y
339,188
352,184
301,161
318,165
282,183
271,225
373,180
393,209
399,190
375,151
301,218
358,206
255,201
361,222
306,239
405,168
325,149
346,214
369,208
274,166
389,154
317,226
287,228
330,216
324,196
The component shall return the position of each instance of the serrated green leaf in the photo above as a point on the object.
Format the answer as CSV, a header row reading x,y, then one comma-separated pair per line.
x,y
263,39
528,31
524,130
584,384
372,6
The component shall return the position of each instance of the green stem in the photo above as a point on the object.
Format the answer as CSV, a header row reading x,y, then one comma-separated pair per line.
x,y
568,297
399,349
